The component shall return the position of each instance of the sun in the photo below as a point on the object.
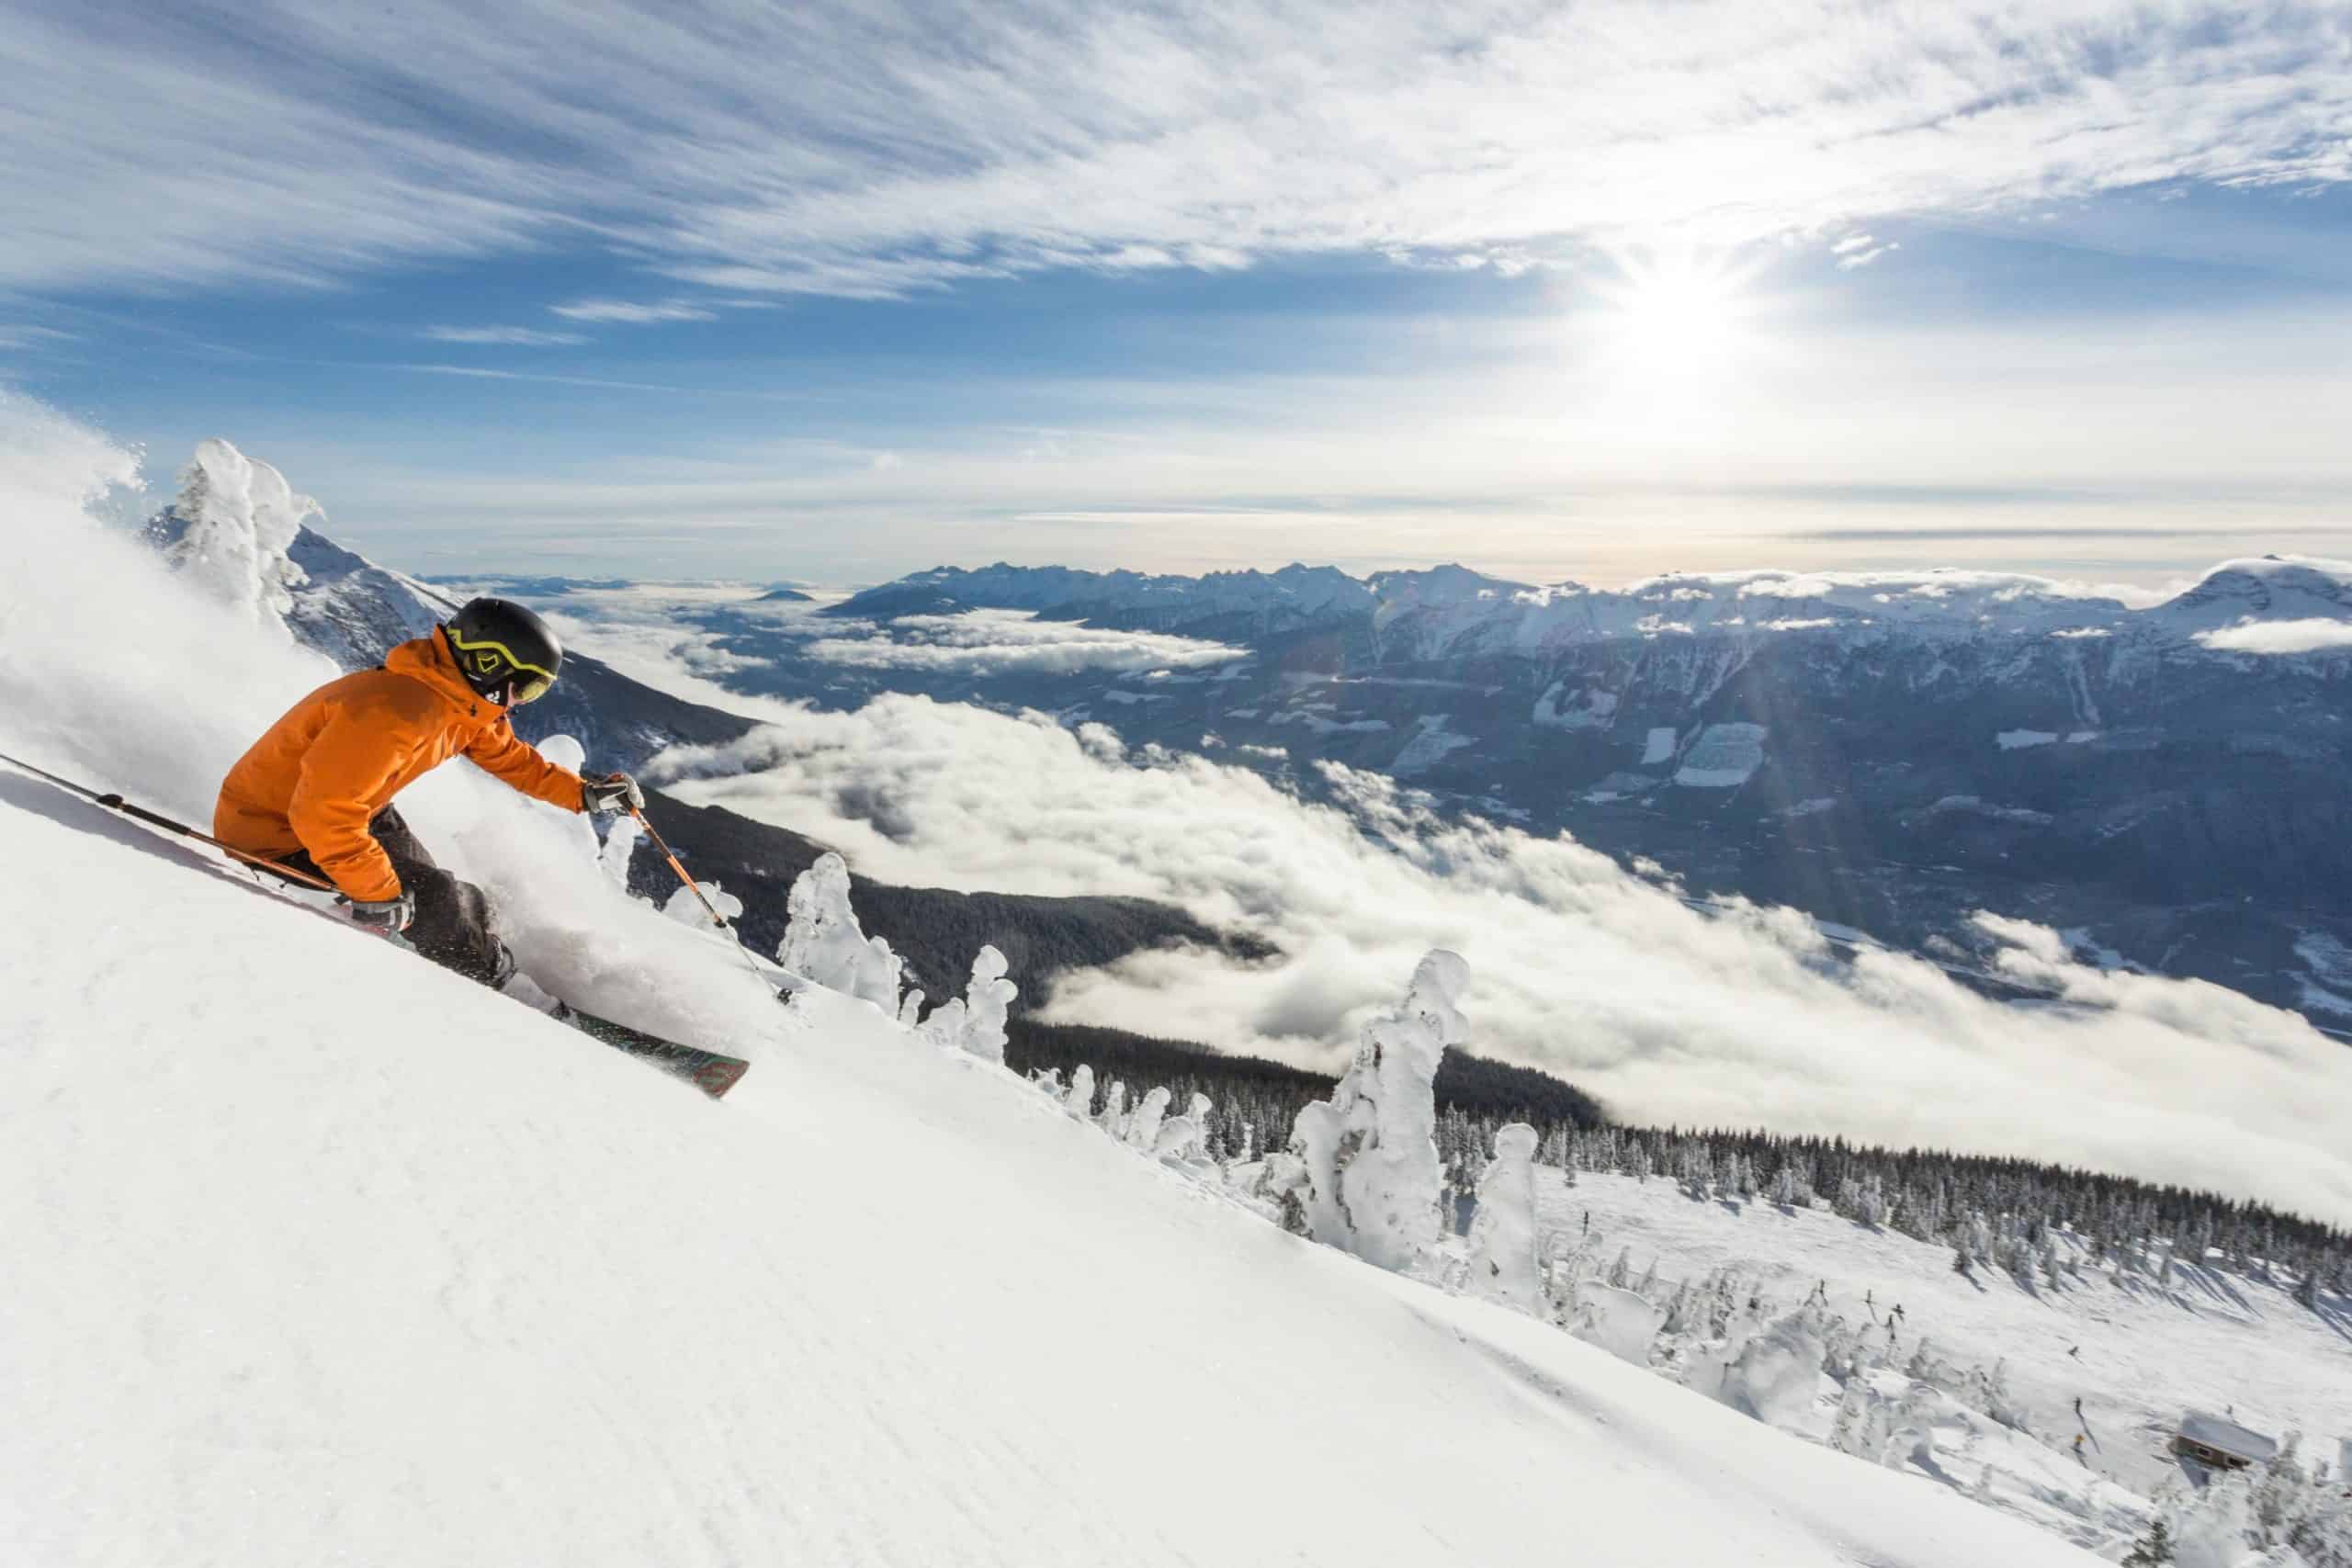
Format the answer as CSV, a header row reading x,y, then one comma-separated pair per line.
x,y
1671,319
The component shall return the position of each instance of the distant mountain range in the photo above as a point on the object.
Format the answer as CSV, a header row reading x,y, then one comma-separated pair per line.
x,y
1886,751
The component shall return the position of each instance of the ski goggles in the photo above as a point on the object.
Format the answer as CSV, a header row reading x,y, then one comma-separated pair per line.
x,y
526,682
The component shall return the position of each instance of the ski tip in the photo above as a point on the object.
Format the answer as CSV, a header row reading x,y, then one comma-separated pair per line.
x,y
719,1075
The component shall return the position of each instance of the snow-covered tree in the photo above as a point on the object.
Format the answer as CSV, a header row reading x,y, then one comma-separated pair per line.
x,y
1369,1151
239,517
1282,1182
1869,1204
1182,1139
688,911
1775,1376
620,845
821,939
2152,1550
1142,1130
1618,1321
566,751
1503,1263
1079,1100
823,945
975,1022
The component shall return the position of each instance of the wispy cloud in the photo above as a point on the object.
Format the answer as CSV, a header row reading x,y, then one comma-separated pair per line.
x,y
25,337
819,150
630,313
1853,259
996,642
517,337
483,372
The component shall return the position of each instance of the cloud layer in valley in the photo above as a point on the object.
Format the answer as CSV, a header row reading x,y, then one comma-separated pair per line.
x,y
1737,1018
987,642
2280,637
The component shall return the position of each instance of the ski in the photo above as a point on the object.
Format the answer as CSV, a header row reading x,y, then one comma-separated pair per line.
x,y
707,1070
710,1071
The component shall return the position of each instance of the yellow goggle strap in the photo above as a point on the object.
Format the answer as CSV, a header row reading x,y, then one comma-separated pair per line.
x,y
477,654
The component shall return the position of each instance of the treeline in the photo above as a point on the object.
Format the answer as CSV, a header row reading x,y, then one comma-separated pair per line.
x,y
1256,1101
1993,1211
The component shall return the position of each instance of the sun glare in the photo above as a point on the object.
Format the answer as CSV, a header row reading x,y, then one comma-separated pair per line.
x,y
1672,319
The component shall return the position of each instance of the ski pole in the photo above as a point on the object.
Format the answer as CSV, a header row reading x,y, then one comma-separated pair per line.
x,y
683,876
156,818
708,908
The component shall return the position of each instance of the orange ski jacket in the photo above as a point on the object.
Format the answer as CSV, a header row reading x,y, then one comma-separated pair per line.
x,y
340,754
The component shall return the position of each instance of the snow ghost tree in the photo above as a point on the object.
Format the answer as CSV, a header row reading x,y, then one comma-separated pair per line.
x,y
823,945
688,911
565,752
1079,1100
1184,1138
988,1005
1618,1321
878,977
975,1022
1143,1128
821,939
945,1025
238,519
1369,1151
1776,1376
1503,1264
620,844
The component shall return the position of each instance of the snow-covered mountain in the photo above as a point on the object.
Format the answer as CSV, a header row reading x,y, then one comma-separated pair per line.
x,y
1450,610
1889,751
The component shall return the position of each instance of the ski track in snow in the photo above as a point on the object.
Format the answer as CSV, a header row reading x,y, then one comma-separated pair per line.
x,y
317,1252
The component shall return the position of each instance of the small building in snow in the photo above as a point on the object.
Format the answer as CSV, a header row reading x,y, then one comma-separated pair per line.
x,y
2219,1443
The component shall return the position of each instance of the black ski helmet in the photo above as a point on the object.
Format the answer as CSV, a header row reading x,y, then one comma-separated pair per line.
x,y
505,652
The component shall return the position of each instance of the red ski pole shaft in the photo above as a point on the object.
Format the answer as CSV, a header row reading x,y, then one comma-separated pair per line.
x,y
684,875
710,908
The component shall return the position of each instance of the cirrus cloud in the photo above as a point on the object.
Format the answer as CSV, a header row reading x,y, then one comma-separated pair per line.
x,y
828,148
513,337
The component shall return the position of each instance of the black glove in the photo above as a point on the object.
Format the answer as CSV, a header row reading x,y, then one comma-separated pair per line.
x,y
389,916
614,792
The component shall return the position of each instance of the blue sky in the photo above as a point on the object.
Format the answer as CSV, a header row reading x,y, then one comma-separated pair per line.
x,y
837,292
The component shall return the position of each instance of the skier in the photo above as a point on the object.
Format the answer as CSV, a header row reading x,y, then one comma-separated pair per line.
x,y
315,792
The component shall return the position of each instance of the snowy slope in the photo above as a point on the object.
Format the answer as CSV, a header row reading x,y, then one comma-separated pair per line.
x,y
320,1253
2137,1350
